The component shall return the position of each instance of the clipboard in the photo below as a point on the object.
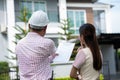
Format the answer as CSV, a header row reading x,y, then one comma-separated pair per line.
x,y
64,52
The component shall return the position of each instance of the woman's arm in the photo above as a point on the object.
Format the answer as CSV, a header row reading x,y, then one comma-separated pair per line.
x,y
73,73
79,61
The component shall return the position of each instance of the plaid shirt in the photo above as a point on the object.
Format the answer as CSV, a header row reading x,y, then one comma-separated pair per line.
x,y
34,54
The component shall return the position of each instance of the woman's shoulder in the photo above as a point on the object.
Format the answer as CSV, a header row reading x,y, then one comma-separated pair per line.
x,y
84,51
81,51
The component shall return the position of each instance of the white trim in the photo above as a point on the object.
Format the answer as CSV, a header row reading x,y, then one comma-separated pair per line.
x,y
62,10
86,5
10,25
108,21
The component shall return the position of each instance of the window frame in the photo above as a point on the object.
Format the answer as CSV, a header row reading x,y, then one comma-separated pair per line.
x,y
33,3
75,28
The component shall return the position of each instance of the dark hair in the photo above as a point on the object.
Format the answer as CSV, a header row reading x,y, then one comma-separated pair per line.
x,y
37,28
89,36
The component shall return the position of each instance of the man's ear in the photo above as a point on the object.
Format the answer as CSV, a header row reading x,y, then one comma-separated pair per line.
x,y
45,28
29,26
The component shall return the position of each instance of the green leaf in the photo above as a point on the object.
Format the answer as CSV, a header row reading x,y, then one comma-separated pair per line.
x,y
10,51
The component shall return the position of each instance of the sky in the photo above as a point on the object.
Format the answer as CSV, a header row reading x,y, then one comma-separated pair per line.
x,y
114,14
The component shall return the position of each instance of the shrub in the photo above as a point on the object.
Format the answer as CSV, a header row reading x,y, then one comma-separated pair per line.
x,y
64,78
4,71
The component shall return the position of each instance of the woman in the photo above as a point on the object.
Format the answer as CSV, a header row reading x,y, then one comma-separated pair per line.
x,y
88,61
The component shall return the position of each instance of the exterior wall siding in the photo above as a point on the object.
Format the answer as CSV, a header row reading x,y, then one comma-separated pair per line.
x,y
3,47
89,15
3,37
109,55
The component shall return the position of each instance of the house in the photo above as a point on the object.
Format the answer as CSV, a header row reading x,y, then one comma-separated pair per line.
x,y
78,11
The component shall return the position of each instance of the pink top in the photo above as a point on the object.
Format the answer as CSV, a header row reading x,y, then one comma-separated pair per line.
x,y
34,54
79,59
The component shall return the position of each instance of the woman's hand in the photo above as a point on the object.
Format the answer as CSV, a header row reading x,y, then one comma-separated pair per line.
x,y
55,54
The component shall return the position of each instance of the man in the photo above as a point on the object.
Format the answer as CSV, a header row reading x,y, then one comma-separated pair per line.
x,y
34,52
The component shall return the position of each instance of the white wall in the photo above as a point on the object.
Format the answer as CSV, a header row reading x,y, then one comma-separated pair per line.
x,y
3,47
109,55
3,37
62,69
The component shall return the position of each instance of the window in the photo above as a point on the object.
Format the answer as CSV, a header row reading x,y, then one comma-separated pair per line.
x,y
33,5
99,21
77,18
47,6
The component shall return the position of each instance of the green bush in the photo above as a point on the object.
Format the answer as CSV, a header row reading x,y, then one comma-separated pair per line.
x,y
4,71
4,67
65,78
101,77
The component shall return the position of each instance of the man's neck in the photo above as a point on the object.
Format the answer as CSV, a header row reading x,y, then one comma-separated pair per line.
x,y
39,33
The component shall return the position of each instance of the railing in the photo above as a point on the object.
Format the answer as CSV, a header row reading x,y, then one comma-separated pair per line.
x,y
12,74
106,70
9,75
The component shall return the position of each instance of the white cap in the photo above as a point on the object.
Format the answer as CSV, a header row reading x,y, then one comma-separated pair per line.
x,y
38,20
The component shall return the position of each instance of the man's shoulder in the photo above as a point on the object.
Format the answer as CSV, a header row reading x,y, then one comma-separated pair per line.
x,y
47,40
21,41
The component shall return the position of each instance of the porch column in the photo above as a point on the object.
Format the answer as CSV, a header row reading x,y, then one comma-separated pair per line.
x,y
10,25
108,19
62,10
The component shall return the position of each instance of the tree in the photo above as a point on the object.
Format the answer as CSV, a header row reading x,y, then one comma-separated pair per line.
x,y
67,32
68,36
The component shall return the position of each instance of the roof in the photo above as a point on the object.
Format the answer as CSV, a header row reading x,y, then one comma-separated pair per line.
x,y
104,4
110,38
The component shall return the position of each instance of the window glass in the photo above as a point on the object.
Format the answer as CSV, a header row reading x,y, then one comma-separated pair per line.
x,y
33,6
77,18
70,17
39,6
27,4
82,17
